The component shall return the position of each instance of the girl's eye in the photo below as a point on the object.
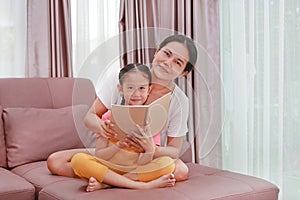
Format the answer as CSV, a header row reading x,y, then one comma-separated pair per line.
x,y
130,87
142,88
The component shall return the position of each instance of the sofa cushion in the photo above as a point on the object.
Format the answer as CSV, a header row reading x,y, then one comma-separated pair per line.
x,y
203,183
2,143
32,134
14,187
38,175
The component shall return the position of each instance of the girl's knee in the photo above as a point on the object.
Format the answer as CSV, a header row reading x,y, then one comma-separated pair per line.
x,y
78,159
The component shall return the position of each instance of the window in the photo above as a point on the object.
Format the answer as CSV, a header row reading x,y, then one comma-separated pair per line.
x,y
94,22
261,75
12,40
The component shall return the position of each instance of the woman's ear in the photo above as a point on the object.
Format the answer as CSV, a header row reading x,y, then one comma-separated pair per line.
x,y
157,49
120,88
184,73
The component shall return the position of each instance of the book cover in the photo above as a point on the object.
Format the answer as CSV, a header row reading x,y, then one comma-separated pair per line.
x,y
125,117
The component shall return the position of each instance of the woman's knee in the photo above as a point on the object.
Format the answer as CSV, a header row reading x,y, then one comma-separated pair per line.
x,y
181,170
54,163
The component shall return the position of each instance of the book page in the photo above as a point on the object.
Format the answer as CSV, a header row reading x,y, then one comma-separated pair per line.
x,y
126,117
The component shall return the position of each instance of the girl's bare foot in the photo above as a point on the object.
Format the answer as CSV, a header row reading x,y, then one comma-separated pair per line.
x,y
95,185
163,181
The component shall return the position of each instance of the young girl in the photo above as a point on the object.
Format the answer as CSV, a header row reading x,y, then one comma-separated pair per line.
x,y
117,156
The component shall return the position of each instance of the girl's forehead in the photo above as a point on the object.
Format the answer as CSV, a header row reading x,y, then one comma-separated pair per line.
x,y
179,49
136,76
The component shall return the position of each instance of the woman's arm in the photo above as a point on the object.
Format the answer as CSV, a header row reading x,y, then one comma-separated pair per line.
x,y
173,148
93,121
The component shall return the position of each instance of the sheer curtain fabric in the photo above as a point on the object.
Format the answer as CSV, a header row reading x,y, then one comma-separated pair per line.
x,y
12,40
260,45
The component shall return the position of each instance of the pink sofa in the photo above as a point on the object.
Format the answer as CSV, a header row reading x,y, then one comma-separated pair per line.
x,y
43,115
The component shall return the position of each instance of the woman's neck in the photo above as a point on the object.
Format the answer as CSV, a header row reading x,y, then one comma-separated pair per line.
x,y
158,90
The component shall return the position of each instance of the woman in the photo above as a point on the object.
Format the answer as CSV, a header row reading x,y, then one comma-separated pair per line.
x,y
175,57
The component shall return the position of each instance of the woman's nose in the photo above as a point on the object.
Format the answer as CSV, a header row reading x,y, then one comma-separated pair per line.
x,y
168,62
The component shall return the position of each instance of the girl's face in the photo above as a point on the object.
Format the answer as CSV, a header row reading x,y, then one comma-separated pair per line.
x,y
170,61
135,88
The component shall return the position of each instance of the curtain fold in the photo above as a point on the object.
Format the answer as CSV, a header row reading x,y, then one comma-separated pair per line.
x,y
49,42
144,24
137,43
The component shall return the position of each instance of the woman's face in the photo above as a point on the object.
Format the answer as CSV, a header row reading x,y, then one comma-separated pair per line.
x,y
135,88
170,61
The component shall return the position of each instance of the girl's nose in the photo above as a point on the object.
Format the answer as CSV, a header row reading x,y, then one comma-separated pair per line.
x,y
135,92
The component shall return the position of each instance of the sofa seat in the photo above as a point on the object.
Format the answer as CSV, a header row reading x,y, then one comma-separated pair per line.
x,y
38,175
14,187
203,183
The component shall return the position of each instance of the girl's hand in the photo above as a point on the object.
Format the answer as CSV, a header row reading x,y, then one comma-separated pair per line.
x,y
142,140
121,144
105,129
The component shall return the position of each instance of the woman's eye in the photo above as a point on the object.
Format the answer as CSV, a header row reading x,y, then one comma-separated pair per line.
x,y
179,63
167,53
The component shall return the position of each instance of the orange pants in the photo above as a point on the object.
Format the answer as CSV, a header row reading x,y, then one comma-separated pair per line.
x,y
86,166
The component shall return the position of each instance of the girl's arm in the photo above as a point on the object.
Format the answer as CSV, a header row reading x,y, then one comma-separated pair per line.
x,y
145,144
104,151
145,158
149,149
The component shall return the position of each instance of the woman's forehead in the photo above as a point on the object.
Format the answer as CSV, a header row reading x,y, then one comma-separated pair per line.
x,y
179,49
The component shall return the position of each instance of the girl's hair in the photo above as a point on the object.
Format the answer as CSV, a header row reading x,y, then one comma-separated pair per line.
x,y
135,67
190,46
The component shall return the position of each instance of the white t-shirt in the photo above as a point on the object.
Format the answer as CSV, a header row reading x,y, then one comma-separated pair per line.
x,y
176,126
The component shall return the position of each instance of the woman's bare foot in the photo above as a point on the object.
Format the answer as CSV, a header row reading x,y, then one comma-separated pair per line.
x,y
163,181
95,185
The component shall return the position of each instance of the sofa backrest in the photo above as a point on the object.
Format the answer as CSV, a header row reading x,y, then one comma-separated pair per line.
x,y
42,115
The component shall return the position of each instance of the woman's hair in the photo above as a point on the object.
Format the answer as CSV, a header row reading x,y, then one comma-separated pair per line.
x,y
135,67
190,46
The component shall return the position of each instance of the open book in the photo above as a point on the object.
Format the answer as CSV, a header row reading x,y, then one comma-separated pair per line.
x,y
125,117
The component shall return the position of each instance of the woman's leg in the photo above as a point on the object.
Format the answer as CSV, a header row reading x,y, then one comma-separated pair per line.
x,y
156,168
59,163
86,166
181,171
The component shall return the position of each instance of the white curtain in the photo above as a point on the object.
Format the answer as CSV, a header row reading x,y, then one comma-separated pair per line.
x,y
94,24
260,64
12,38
